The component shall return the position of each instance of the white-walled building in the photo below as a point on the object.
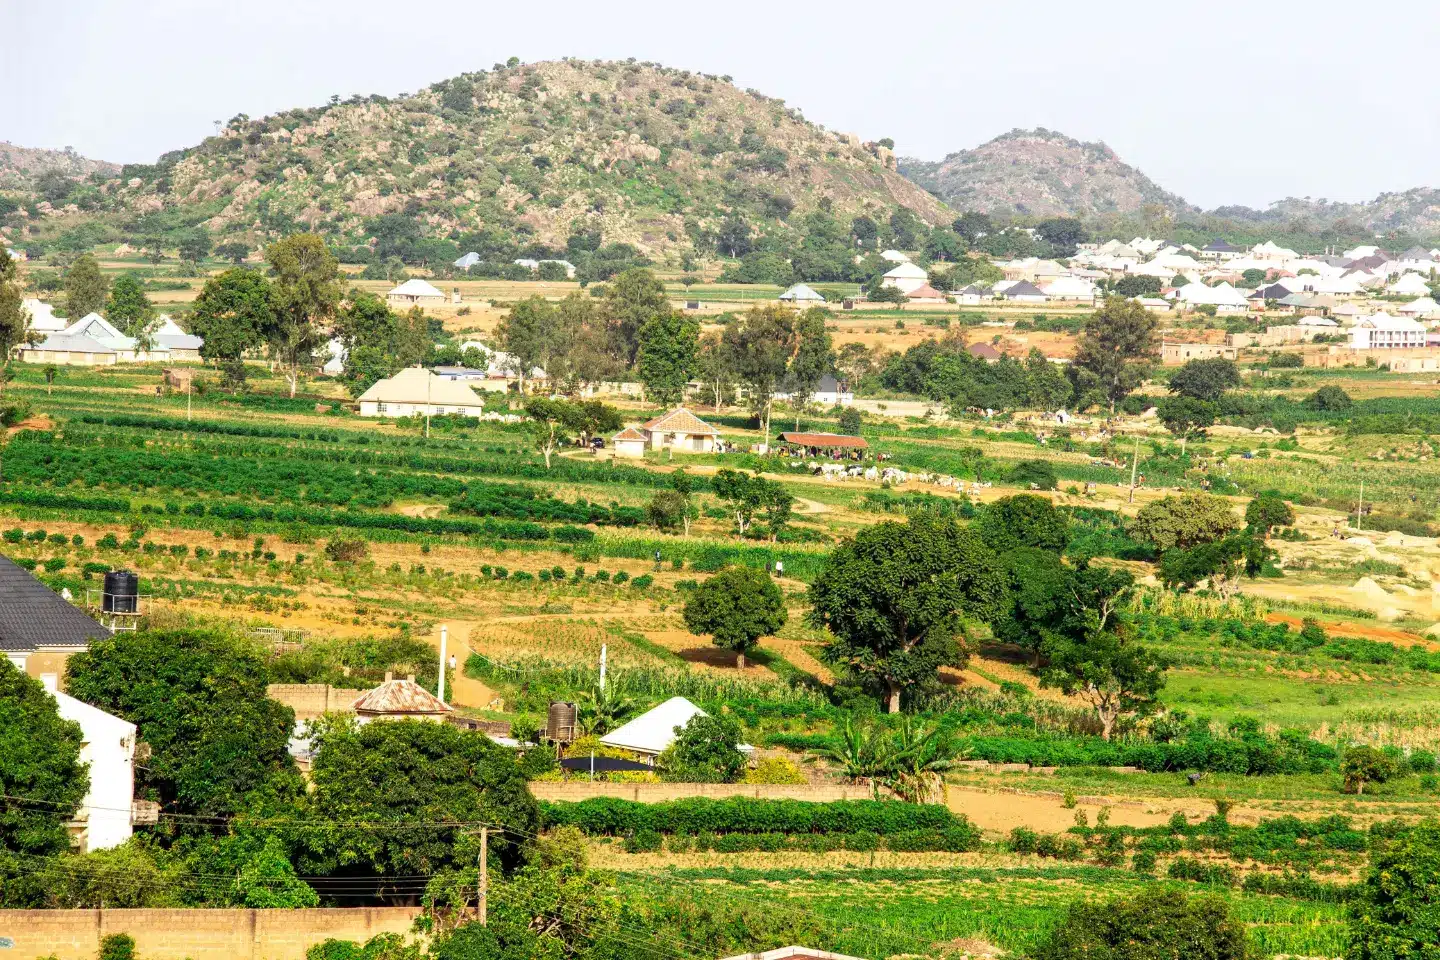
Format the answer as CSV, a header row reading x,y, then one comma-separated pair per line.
x,y
107,748
414,292
416,391
905,277
1384,332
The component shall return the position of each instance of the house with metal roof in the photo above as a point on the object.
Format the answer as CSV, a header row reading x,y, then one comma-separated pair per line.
x,y
1025,292
171,339
905,277
1384,332
40,629
652,733
400,699
1218,249
41,316
629,443
416,391
681,431
801,293
414,292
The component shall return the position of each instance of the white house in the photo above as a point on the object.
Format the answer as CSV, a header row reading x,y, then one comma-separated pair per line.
x,y
905,277
894,256
680,430
1025,292
175,342
801,295
413,292
1271,251
1069,288
107,746
1225,298
42,317
651,733
1360,252
1409,285
468,261
90,341
829,392
1421,308
1384,332
416,391
1221,250
335,354
628,443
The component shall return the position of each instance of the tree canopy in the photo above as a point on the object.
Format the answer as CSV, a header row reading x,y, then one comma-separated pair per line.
x,y
1024,520
199,701
898,596
1205,379
1118,346
85,287
736,606
233,314
1395,913
304,293
1184,521
39,761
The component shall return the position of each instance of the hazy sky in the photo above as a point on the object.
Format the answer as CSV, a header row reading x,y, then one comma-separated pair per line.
x,y
1221,103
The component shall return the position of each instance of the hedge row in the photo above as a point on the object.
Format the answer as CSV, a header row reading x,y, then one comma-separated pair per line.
x,y
501,529
961,838
26,497
1259,755
608,816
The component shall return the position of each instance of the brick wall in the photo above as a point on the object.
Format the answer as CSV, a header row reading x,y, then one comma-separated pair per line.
x,y
309,700
196,934
657,792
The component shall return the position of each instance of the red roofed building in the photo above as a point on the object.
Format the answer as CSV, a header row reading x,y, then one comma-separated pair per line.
x,y
680,430
926,294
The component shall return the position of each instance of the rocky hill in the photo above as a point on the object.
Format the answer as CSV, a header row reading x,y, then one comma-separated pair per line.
x,y
22,167
1415,211
1040,173
645,155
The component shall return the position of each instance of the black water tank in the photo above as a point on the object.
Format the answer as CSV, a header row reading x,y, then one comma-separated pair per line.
x,y
122,592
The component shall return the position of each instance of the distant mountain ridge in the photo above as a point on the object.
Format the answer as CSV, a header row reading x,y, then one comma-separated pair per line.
x,y
647,155
1041,173
21,166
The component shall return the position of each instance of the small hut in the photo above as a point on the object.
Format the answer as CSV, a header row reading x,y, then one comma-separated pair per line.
x,y
401,700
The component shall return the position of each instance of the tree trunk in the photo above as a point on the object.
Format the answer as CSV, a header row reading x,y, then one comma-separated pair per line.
x,y
1107,723
293,375
892,696
739,659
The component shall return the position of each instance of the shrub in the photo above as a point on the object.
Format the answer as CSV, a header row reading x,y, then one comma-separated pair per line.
x,y
1143,862
108,542
1155,923
643,841
643,581
1364,765
1023,840
774,770
117,946
608,816
347,551
1394,914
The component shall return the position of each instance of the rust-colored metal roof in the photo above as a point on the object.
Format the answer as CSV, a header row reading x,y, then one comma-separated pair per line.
x,y
824,440
629,433
404,697
680,420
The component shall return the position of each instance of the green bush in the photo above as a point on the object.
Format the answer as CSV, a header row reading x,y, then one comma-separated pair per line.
x,y
643,841
609,816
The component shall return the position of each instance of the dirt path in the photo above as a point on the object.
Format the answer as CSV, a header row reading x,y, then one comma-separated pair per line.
x,y
1350,628
464,691
1004,810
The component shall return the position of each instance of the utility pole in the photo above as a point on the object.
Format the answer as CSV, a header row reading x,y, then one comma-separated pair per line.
x,y
1360,507
1134,462
482,884
428,376
444,636
602,668
189,381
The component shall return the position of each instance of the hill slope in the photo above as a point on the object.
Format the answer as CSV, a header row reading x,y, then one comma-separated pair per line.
x,y
647,155
1040,173
1414,211
21,167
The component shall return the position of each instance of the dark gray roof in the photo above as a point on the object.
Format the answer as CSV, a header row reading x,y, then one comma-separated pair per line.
x,y
32,615
1023,289
1220,246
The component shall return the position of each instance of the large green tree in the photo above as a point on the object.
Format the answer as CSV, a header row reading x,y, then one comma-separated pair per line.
x,y
130,310
85,287
1097,656
1184,521
304,293
1396,915
633,299
412,772
1185,417
812,359
898,597
233,314
669,343
14,319
42,780
378,341
1118,346
528,333
1025,520
198,698
737,606
759,347
1206,379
